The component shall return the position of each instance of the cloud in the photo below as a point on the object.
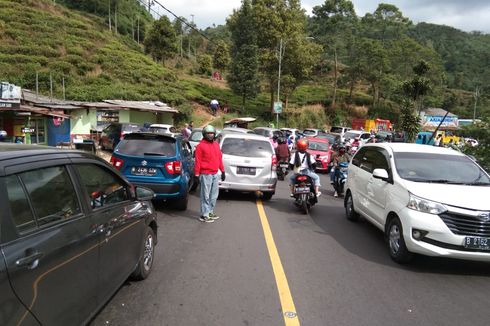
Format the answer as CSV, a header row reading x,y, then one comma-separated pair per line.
x,y
467,15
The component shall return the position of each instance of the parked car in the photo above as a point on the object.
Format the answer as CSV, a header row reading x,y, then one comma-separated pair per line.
x,y
115,131
195,138
350,135
310,132
319,148
332,138
396,137
72,231
160,162
427,200
163,129
250,164
339,130
268,132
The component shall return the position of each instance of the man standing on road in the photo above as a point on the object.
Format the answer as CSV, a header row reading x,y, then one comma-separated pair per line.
x,y
209,160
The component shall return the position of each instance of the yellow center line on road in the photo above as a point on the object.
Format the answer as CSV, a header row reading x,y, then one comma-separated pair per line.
x,y
287,304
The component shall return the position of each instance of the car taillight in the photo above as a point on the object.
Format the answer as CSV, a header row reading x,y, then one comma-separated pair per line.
x,y
173,167
121,136
301,178
117,162
274,162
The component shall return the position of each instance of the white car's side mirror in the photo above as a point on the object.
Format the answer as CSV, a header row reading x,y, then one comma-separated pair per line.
x,y
381,174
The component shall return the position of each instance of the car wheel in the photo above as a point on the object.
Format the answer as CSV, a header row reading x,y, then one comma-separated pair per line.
x,y
396,243
350,212
145,264
181,204
267,195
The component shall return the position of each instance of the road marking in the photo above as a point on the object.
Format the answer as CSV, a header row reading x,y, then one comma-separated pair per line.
x,y
287,304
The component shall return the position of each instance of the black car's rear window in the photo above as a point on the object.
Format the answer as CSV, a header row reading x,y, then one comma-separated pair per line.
x,y
246,147
141,145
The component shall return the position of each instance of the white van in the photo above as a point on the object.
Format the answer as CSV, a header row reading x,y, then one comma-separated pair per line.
x,y
427,200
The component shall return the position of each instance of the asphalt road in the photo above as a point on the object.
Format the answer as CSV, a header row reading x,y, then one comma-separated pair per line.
x,y
335,272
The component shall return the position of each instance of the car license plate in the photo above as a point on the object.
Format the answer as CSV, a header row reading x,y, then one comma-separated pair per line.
x,y
140,170
477,243
283,165
245,170
301,190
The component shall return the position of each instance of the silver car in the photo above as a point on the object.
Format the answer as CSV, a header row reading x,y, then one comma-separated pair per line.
x,y
250,164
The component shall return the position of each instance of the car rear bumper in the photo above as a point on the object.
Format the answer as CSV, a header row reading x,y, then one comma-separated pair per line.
x,y
439,241
247,186
163,190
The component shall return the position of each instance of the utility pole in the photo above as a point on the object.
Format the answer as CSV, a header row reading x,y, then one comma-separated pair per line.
x,y
51,87
281,53
110,23
37,84
476,95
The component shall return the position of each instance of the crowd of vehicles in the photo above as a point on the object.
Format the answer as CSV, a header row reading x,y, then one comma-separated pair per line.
x,y
427,200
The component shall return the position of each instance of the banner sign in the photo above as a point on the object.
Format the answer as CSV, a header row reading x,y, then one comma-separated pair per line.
x,y
9,96
277,107
434,121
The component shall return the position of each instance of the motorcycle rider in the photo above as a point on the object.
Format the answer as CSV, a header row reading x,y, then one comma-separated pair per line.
x,y
340,157
303,163
282,150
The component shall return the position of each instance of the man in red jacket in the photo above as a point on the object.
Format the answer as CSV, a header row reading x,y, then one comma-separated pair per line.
x,y
208,160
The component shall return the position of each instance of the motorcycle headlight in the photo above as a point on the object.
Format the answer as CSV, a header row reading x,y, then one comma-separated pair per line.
x,y
425,206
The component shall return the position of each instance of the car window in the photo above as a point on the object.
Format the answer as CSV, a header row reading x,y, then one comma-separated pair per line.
x,y
51,193
102,186
365,136
19,205
379,160
439,168
158,130
337,129
349,135
246,147
277,133
309,132
196,136
358,157
318,146
132,127
147,146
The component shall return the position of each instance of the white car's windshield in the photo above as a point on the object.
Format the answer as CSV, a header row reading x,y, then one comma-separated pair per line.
x,y
439,168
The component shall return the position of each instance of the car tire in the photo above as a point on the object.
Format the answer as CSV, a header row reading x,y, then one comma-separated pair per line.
x,y
145,264
350,212
181,204
267,195
396,243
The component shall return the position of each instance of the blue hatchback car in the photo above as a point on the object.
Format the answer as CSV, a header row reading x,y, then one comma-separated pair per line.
x,y
159,162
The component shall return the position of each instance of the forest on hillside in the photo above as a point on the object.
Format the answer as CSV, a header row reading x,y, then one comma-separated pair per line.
x,y
333,57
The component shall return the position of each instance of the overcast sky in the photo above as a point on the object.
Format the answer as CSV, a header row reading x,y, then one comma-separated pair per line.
x,y
467,15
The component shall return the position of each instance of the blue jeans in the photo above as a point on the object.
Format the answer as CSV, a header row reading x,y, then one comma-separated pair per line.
x,y
209,192
308,172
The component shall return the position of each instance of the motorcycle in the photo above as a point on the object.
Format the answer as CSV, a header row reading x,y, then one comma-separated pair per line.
x,y
282,170
304,192
340,178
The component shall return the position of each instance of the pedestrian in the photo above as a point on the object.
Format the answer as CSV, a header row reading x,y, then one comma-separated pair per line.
x,y
214,105
191,125
437,141
186,132
208,160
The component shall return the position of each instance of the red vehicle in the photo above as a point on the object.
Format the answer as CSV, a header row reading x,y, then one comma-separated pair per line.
x,y
320,149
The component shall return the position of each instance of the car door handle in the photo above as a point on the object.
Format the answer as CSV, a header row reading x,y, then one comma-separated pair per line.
x,y
30,261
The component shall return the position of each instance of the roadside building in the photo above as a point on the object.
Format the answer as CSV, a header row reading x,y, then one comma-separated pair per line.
x,y
38,119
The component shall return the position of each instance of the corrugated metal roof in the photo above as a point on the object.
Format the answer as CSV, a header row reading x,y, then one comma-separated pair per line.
x,y
143,105
437,112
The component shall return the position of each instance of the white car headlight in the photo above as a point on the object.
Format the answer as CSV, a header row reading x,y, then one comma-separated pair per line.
x,y
425,206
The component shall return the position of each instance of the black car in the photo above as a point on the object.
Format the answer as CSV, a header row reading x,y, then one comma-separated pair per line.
x,y
115,131
72,230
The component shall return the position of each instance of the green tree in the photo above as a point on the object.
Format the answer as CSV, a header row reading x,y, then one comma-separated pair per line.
x,y
160,42
276,22
481,132
243,77
334,25
221,57
205,62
